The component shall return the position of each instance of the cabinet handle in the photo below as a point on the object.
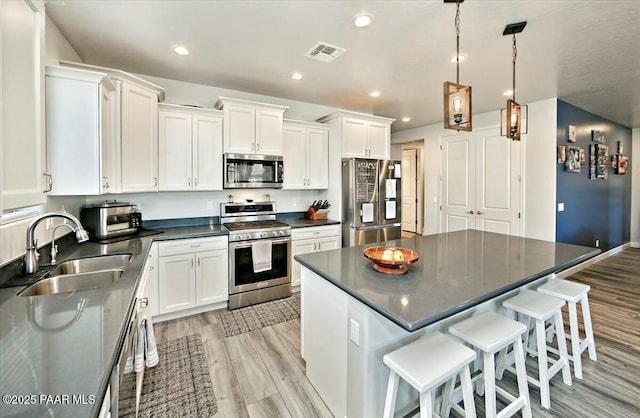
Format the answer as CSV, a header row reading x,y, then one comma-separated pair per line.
x,y
49,182
253,147
106,182
189,181
198,261
258,146
195,181
150,267
195,245
155,182
192,263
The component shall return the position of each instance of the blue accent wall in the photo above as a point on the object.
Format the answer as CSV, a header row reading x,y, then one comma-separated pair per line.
x,y
594,209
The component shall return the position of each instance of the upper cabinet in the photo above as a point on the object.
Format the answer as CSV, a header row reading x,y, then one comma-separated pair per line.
x,y
306,155
135,125
190,148
252,127
21,103
80,142
361,135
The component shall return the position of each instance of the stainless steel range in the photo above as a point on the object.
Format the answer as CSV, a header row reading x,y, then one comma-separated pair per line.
x,y
259,253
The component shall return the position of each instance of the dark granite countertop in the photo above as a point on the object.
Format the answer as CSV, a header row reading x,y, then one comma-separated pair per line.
x,y
304,222
456,271
66,344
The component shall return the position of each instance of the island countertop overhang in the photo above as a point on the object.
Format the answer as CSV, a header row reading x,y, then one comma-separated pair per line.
x,y
456,271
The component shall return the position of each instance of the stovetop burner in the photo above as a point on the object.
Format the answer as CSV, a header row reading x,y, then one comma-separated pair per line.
x,y
263,224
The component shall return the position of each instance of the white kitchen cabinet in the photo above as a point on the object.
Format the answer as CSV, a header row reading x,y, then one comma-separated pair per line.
x,y
252,127
306,155
79,105
192,272
190,148
311,240
135,125
22,25
361,135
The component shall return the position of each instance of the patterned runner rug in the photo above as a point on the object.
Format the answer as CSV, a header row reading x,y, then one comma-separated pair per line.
x,y
254,317
179,386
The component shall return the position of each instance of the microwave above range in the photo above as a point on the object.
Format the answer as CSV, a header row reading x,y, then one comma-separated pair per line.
x,y
249,171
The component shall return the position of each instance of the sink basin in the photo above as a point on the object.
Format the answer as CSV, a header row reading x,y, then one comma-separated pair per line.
x,y
70,282
89,264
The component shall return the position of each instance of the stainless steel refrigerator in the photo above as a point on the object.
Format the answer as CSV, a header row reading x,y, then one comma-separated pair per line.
x,y
371,201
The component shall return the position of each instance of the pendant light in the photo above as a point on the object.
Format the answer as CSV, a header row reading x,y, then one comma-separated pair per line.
x,y
513,119
457,98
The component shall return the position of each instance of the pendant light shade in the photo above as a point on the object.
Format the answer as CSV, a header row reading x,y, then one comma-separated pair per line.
x,y
457,98
457,106
513,119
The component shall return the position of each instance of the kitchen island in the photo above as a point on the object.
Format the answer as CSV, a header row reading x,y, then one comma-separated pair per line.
x,y
352,315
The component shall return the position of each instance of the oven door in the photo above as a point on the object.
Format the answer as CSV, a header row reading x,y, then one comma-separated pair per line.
x,y
241,275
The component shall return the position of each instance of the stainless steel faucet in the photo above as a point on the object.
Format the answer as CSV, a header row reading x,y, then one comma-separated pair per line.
x,y
31,256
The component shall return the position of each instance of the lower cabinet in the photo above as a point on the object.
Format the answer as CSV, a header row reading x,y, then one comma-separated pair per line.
x,y
191,273
311,240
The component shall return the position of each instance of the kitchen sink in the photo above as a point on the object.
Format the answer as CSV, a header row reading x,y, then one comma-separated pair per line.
x,y
71,282
90,264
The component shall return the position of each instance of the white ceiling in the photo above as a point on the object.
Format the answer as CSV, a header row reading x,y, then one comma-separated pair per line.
x,y
586,52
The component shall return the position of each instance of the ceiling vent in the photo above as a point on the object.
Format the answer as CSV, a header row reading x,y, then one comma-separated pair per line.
x,y
324,52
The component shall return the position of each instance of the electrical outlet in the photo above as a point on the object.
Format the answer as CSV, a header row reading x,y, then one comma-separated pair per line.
x,y
294,202
355,333
209,205
560,207
598,243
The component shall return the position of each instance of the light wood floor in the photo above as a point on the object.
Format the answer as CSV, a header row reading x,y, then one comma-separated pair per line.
x,y
261,373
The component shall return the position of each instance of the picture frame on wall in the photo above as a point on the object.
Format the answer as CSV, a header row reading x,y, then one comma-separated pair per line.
x,y
571,134
620,147
592,161
562,154
622,164
614,161
583,157
572,162
598,136
602,161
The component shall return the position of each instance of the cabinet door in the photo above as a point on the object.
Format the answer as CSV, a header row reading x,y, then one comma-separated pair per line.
x,y
139,139
21,103
269,135
328,243
379,140
354,138
317,158
303,246
207,153
174,137
176,283
239,129
295,161
212,278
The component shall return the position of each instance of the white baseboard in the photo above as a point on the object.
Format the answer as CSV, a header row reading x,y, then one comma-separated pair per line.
x,y
634,244
585,264
188,312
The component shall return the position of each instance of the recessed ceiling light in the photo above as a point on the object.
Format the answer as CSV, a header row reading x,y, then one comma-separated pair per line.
x,y
180,50
296,76
406,119
508,93
362,21
374,93
460,57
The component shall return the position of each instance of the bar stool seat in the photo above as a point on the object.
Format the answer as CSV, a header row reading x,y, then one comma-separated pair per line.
x,y
426,364
491,333
573,293
541,308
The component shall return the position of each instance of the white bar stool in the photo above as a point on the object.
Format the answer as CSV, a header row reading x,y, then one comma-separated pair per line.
x,y
425,364
573,293
491,333
541,307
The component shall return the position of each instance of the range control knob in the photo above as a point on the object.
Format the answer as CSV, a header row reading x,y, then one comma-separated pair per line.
x,y
262,235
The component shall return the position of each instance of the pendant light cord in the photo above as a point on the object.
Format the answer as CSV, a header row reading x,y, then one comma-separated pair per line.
x,y
457,22
515,54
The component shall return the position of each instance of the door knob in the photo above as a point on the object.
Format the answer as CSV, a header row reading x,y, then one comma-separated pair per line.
x,y
470,212
480,213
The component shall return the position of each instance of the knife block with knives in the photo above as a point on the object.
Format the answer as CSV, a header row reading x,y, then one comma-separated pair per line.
x,y
318,210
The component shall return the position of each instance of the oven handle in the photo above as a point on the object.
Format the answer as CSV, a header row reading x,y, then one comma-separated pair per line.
x,y
248,243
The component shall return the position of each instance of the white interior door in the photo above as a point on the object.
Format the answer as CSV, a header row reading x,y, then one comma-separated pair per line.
x,y
458,182
481,182
498,185
409,189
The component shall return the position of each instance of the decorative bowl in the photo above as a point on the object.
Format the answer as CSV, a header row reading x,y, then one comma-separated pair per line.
x,y
396,264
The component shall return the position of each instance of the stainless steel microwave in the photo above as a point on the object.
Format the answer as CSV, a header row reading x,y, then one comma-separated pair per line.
x,y
249,171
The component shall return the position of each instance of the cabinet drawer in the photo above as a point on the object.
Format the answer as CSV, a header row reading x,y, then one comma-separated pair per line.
x,y
192,245
315,232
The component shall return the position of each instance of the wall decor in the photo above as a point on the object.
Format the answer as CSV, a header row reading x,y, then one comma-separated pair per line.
x,y
614,161
602,163
597,136
583,159
622,164
592,161
620,147
572,162
562,154
571,133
